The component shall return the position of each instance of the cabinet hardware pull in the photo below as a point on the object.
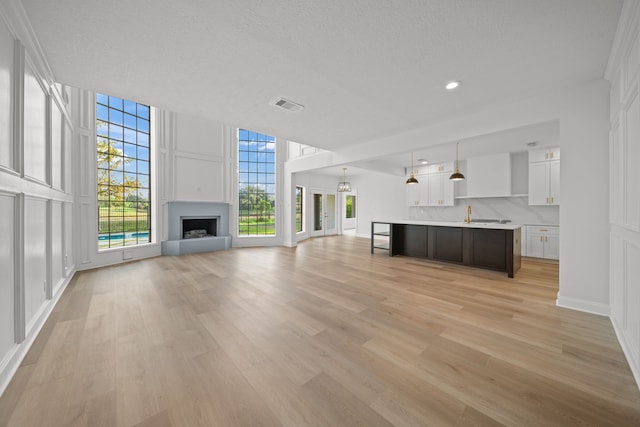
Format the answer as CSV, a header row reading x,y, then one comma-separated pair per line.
x,y
547,200
552,200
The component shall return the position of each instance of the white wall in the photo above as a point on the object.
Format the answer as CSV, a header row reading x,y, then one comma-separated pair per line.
x,y
378,199
36,248
624,214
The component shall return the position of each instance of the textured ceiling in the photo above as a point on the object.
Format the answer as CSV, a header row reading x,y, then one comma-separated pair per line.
x,y
362,68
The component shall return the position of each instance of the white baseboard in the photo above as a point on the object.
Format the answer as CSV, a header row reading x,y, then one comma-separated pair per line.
x,y
634,363
583,305
10,364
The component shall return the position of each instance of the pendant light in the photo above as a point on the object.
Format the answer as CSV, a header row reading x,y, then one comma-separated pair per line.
x,y
412,179
344,186
457,175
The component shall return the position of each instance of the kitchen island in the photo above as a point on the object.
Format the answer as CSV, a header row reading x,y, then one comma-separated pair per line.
x,y
491,246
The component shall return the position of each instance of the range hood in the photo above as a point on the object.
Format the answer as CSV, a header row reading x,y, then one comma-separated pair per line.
x,y
489,176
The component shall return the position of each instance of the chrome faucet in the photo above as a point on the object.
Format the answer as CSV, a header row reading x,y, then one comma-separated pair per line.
x,y
468,218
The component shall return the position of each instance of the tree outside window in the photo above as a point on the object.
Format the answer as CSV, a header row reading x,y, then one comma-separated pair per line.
x,y
351,206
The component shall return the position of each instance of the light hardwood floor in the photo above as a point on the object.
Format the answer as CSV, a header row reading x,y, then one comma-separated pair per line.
x,y
323,334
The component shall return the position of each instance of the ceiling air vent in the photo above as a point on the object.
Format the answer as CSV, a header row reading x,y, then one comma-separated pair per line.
x,y
287,105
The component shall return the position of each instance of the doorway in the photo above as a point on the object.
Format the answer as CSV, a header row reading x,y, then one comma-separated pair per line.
x,y
324,213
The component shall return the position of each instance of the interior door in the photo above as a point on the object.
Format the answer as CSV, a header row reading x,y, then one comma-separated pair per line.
x,y
324,213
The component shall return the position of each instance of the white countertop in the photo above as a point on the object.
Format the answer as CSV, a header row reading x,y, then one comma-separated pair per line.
x,y
490,225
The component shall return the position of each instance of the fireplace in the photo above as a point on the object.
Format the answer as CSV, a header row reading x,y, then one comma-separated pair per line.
x,y
198,227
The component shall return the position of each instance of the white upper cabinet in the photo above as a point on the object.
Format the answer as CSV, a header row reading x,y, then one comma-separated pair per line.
x,y
544,155
418,194
440,187
433,188
544,177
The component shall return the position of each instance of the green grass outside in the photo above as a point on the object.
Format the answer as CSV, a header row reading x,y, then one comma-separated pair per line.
x,y
256,228
113,219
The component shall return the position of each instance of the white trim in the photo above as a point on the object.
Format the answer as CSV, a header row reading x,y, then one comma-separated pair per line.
x,y
583,305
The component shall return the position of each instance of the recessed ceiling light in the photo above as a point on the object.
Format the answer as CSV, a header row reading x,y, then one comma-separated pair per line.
x,y
423,161
452,85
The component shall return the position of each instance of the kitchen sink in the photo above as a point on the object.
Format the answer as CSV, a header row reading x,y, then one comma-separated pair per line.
x,y
490,221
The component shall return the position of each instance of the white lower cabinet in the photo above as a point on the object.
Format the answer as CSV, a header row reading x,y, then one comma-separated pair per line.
x,y
543,241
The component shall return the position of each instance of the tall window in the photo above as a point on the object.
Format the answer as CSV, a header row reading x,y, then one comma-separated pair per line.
x,y
299,208
124,165
256,184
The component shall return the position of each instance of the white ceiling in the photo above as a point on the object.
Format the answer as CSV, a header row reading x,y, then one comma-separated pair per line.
x,y
515,140
362,68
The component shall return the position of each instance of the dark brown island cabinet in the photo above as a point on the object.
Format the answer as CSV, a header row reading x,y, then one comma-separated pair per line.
x,y
489,246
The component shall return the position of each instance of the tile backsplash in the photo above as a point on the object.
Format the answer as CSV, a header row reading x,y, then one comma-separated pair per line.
x,y
516,209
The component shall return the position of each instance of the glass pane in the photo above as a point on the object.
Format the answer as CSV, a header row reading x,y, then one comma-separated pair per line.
x,y
115,146
143,125
143,166
130,135
130,150
116,177
143,111
143,194
331,211
130,179
143,180
317,212
115,102
116,162
143,139
102,129
351,207
116,116
102,99
102,113
130,107
115,132
130,121
131,165
143,153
